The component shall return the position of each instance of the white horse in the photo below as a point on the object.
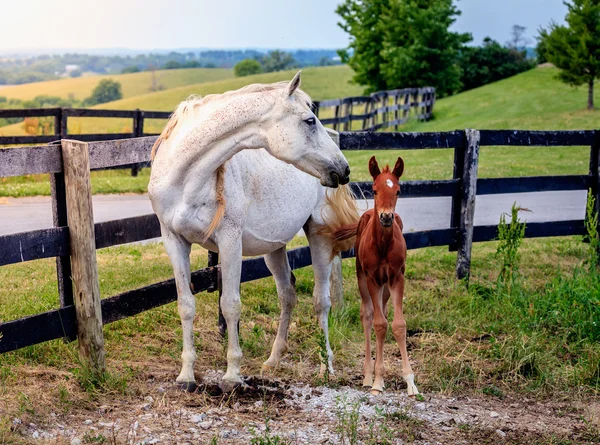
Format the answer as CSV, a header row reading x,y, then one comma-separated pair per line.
x,y
218,180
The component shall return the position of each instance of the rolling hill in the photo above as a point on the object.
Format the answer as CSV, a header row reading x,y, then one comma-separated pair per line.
x,y
133,84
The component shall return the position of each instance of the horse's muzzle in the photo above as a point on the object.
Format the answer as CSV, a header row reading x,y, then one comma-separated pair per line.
x,y
338,179
386,219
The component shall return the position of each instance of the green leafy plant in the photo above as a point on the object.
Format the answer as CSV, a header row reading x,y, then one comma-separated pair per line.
x,y
592,234
510,236
266,438
348,415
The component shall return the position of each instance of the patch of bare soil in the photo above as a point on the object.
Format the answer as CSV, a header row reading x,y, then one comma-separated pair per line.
x,y
304,414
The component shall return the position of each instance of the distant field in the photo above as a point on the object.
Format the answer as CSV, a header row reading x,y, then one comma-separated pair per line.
x,y
133,84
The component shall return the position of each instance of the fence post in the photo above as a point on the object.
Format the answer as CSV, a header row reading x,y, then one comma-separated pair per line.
x,y
467,205
76,165
63,124
213,261
595,173
138,131
458,173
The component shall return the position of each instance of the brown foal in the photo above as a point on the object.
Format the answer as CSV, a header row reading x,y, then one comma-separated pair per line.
x,y
380,263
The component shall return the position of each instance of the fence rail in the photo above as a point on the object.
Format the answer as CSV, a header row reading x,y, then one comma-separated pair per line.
x,y
463,188
383,109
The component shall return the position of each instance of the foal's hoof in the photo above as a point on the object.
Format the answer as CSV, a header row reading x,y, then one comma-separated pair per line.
x,y
187,386
376,392
229,386
267,369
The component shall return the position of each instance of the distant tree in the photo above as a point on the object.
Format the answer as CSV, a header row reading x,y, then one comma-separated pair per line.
x,y
191,64
210,65
575,48
107,90
75,73
277,61
172,65
541,48
491,62
326,61
247,67
517,37
131,69
400,44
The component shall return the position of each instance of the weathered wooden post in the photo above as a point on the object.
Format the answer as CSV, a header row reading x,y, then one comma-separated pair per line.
x,y
76,164
137,132
595,173
467,204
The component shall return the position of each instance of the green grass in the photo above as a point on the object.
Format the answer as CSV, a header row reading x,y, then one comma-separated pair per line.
x,y
133,84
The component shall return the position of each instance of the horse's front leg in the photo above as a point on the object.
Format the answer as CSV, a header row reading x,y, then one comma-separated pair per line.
x,y
380,321
178,250
399,330
278,264
366,316
320,251
231,270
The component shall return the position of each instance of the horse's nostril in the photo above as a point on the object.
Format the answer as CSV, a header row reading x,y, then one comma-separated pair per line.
x,y
335,178
347,172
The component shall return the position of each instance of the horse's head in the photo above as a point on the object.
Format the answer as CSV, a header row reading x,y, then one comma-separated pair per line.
x,y
296,136
386,189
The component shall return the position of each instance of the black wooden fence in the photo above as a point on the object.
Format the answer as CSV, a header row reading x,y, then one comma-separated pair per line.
x,y
463,187
382,109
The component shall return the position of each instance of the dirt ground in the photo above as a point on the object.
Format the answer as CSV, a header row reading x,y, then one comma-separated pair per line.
x,y
273,411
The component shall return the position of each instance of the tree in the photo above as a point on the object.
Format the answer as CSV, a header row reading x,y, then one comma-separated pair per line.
x,y
247,67
517,37
75,73
131,69
172,65
107,90
277,61
491,62
542,48
575,48
396,44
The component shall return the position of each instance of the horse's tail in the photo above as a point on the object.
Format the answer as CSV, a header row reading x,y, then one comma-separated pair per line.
x,y
342,220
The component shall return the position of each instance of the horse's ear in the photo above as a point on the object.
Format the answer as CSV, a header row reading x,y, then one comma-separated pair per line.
x,y
294,84
374,167
398,168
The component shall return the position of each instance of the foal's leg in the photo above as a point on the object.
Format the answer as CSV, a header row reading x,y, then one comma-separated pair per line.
x,y
366,316
230,249
278,264
320,251
380,331
178,250
399,330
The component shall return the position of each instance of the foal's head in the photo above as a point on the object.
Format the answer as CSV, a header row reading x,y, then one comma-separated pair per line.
x,y
386,189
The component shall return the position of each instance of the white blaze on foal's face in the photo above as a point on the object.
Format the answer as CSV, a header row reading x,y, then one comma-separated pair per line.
x,y
389,183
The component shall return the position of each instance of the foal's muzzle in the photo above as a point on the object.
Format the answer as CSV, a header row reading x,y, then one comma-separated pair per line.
x,y
386,219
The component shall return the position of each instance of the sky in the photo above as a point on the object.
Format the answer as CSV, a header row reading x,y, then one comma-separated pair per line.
x,y
169,24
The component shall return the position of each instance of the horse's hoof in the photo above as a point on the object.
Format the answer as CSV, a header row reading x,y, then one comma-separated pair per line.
x,y
267,369
187,386
376,392
229,386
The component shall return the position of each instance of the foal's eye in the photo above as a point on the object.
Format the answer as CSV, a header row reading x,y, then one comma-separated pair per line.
x,y
310,121
374,193
398,193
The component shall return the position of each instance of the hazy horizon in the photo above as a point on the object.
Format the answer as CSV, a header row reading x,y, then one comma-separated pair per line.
x,y
152,25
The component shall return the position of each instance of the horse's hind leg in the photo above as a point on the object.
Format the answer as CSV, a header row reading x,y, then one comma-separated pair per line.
x,y
178,250
320,251
278,264
399,330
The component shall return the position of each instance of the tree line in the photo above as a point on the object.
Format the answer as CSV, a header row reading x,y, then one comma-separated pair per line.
x,y
395,44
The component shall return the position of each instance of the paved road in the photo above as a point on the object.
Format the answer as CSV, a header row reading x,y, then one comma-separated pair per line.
x,y
24,214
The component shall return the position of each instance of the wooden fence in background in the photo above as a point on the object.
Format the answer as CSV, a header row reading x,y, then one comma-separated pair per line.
x,y
463,188
382,110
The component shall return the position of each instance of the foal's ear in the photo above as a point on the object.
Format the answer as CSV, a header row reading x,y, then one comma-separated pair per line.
x,y
398,168
294,84
374,167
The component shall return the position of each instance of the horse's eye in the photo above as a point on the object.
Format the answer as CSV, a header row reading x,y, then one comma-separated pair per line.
x,y
398,193
374,193
310,121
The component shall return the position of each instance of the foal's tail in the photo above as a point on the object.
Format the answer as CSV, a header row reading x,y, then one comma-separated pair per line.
x,y
342,217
